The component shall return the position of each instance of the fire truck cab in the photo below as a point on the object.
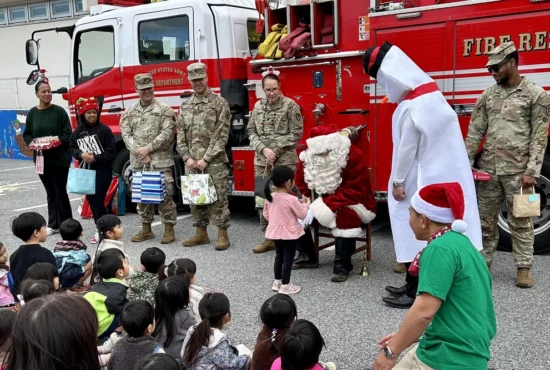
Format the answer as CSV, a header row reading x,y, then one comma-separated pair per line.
x,y
113,44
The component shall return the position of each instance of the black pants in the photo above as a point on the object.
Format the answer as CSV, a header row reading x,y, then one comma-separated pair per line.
x,y
285,251
54,180
103,178
345,248
412,282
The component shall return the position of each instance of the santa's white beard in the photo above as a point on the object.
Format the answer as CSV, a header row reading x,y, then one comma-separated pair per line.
x,y
322,172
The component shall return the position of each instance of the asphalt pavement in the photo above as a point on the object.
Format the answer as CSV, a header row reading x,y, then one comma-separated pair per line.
x,y
351,316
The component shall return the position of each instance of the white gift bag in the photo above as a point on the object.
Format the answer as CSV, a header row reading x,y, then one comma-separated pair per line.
x,y
198,189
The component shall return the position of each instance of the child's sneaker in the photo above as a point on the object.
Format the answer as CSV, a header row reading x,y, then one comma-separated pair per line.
x,y
95,238
52,231
289,289
276,285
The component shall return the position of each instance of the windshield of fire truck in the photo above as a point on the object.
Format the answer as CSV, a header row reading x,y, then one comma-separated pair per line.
x,y
164,40
95,52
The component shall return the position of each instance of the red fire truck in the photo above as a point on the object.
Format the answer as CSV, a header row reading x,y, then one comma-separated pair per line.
x,y
322,71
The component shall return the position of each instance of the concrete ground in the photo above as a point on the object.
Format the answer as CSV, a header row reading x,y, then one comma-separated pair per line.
x,y
350,316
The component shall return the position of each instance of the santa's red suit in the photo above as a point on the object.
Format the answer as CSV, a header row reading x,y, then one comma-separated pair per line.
x,y
335,170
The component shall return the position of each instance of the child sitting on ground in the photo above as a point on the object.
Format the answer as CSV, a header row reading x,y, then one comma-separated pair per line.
x,y
109,296
7,319
277,314
188,269
138,320
110,237
73,263
6,299
283,210
32,289
145,282
301,348
43,271
172,314
206,346
31,228
157,361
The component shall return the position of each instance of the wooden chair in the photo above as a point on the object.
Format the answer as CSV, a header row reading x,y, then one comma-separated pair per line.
x,y
317,234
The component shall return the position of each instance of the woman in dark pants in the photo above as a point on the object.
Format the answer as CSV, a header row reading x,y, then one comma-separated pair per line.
x,y
47,119
94,143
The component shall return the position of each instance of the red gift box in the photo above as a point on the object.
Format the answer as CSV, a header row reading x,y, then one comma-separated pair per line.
x,y
45,143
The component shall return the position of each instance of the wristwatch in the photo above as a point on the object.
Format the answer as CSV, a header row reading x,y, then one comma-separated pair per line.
x,y
397,185
389,354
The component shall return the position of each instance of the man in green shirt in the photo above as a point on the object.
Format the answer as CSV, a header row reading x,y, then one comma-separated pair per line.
x,y
453,317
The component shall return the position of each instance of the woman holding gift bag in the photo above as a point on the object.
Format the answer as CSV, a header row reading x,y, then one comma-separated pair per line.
x,y
50,121
93,142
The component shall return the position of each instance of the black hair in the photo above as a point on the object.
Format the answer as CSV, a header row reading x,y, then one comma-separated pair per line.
x,y
171,296
183,267
212,308
106,223
7,318
153,260
156,361
279,176
109,262
301,346
3,265
270,76
38,84
32,289
278,313
70,229
57,331
42,271
24,225
136,317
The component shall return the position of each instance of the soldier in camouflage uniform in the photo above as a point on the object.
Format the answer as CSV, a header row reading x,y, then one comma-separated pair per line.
x,y
147,129
203,129
274,129
514,114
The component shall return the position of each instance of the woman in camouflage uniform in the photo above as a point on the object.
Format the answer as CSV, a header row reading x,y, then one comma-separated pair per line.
x,y
274,129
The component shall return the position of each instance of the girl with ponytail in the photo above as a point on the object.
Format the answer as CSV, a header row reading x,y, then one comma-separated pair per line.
x,y
277,314
188,269
206,346
282,210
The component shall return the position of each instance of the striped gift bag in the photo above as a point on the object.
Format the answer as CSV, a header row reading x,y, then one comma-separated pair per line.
x,y
148,187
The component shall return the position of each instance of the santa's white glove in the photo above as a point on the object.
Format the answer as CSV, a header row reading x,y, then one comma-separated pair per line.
x,y
301,222
309,218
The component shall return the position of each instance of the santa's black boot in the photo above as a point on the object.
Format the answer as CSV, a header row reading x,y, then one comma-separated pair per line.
x,y
307,258
344,250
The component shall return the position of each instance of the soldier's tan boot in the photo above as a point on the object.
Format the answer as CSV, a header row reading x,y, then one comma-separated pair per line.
x,y
144,234
266,246
524,279
400,268
223,240
200,237
169,236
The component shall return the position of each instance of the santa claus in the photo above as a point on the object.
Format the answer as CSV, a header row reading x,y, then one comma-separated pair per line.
x,y
334,171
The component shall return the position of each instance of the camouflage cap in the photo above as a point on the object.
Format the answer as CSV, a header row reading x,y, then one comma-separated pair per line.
x,y
143,81
196,71
498,54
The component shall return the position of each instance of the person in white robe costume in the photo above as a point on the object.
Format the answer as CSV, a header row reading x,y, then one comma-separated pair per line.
x,y
428,148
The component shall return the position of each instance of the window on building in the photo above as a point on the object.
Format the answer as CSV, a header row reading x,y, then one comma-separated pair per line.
x,y
17,14
38,11
78,6
95,53
2,16
164,40
60,8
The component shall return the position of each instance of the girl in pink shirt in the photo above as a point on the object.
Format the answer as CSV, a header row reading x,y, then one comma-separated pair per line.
x,y
282,210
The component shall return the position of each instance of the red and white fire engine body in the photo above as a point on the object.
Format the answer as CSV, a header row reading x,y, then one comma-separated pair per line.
x,y
449,40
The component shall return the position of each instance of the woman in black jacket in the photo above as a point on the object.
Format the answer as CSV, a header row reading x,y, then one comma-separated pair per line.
x,y
94,143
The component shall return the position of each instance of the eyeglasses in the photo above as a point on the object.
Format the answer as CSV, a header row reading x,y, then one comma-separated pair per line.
x,y
497,67
269,91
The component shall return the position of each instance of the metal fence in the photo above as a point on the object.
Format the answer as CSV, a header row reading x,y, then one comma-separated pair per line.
x,y
15,94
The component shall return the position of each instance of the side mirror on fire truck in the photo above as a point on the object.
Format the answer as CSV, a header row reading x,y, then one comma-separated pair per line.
x,y
33,77
31,52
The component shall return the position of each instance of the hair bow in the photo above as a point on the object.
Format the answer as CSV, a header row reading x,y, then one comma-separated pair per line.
x,y
271,71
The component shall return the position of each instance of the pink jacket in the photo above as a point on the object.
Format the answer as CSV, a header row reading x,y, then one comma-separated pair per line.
x,y
283,214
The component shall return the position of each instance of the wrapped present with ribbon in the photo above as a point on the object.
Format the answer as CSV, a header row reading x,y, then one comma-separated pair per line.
x,y
45,143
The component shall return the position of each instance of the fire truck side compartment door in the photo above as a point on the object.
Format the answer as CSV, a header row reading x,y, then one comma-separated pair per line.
x,y
95,69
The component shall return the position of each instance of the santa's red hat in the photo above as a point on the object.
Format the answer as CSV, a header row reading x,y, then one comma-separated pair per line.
x,y
84,105
443,203
323,130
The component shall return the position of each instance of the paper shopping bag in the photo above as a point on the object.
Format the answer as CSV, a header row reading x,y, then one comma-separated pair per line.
x,y
81,181
260,182
136,186
39,165
198,189
153,187
526,205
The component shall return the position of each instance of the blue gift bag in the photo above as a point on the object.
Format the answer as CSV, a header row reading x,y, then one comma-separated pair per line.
x,y
148,187
81,180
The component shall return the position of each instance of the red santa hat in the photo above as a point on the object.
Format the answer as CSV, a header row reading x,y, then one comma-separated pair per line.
x,y
443,203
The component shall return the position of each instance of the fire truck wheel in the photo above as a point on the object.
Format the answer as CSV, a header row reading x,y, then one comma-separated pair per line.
x,y
541,224
121,166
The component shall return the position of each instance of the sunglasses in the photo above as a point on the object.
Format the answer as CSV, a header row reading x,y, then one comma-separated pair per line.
x,y
497,67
